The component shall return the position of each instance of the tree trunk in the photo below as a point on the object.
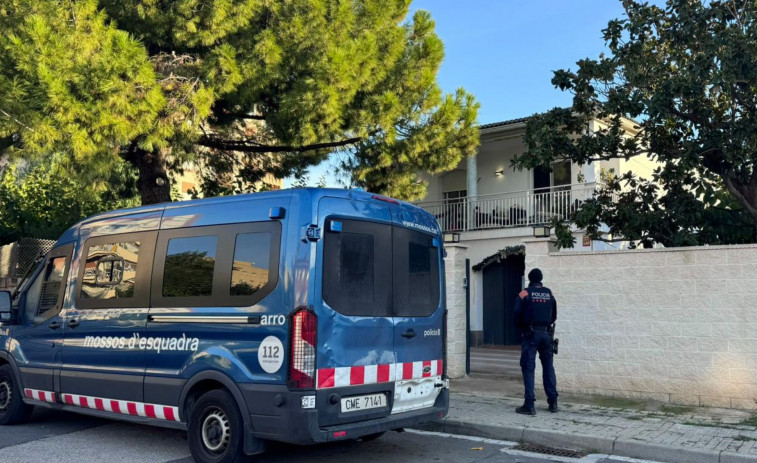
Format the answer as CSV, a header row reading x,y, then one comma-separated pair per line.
x,y
153,184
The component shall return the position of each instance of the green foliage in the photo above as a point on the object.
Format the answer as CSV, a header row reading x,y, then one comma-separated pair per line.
x,y
244,87
44,200
502,254
678,86
304,182
642,212
73,83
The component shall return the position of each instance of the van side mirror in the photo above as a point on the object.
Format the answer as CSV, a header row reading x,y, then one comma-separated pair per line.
x,y
5,306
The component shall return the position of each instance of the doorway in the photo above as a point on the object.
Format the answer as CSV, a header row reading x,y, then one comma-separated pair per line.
x,y
502,282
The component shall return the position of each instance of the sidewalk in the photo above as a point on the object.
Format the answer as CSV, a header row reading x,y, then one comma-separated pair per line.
x,y
484,406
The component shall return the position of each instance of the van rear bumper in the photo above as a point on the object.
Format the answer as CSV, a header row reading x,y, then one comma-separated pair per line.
x,y
276,414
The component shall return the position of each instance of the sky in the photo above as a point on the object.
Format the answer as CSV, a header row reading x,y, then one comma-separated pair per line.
x,y
504,52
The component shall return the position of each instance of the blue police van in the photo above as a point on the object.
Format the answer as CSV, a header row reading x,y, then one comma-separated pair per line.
x,y
301,316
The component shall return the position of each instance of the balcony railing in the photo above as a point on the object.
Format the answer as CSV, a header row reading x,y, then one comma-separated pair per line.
x,y
515,209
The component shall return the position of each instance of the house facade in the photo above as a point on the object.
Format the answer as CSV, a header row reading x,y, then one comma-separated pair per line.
x,y
491,208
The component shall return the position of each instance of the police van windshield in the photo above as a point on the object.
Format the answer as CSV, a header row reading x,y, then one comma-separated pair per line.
x,y
378,270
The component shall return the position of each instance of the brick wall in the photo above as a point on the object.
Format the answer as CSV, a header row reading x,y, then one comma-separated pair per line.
x,y
456,341
676,325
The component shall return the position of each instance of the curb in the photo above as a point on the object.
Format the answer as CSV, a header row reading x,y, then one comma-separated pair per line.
x,y
593,444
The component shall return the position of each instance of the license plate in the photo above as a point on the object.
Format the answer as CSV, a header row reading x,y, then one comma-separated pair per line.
x,y
363,402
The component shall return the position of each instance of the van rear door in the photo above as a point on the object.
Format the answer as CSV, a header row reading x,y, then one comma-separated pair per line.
x,y
355,342
418,311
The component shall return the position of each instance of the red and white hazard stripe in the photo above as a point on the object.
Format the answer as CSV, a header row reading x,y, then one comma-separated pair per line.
x,y
36,394
373,374
124,407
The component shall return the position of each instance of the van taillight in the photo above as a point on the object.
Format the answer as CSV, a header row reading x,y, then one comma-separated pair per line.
x,y
302,354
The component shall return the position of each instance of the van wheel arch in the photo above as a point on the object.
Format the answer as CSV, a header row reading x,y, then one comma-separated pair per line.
x,y
207,381
6,359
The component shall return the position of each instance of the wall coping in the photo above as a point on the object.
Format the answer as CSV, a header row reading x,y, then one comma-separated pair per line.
x,y
455,245
719,247
536,240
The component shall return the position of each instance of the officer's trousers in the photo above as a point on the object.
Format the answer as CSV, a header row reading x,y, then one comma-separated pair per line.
x,y
538,341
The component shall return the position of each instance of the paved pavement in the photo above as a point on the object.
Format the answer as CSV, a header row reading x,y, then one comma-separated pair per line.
x,y
483,405
498,360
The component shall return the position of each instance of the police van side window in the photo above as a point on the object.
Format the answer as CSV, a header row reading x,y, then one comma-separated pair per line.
x,y
110,270
115,271
42,298
357,277
251,266
44,293
233,265
189,266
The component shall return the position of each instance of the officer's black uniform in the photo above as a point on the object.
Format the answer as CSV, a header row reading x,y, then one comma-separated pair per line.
x,y
535,312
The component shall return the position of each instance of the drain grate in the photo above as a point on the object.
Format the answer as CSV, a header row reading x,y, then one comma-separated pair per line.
x,y
544,450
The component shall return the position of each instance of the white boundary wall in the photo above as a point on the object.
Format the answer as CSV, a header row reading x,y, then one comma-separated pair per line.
x,y
676,325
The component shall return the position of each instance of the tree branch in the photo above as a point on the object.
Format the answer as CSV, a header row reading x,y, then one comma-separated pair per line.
x,y
210,141
16,120
257,117
686,116
737,191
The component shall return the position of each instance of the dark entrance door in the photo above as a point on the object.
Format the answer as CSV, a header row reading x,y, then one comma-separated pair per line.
x,y
502,283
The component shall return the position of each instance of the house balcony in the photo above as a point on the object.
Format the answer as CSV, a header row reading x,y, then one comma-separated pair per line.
x,y
509,210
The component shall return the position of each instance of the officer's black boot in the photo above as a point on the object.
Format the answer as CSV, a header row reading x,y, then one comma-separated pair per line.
x,y
525,410
553,407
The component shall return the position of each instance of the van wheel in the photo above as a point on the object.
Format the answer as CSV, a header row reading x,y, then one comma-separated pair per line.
x,y
13,410
370,437
215,431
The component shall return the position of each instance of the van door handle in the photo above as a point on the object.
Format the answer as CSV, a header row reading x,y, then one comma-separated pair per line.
x,y
54,325
409,334
73,323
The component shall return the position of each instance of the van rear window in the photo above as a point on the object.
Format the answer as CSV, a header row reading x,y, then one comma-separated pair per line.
x,y
416,274
357,269
376,270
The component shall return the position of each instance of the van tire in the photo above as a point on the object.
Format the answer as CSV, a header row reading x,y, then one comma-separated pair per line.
x,y
215,431
13,410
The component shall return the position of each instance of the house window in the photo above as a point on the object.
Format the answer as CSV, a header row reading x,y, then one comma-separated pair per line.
x,y
454,196
561,174
454,216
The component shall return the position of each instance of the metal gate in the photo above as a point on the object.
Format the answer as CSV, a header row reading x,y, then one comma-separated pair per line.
x,y
502,282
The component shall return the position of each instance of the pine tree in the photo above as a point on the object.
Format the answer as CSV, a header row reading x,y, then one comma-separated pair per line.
x,y
245,86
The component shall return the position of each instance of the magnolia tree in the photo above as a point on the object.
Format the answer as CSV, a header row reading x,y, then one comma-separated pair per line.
x,y
686,72
249,87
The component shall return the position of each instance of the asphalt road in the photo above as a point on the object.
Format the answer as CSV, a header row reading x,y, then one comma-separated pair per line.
x,y
66,437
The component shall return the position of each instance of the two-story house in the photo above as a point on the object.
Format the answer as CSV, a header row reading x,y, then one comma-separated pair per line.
x,y
491,208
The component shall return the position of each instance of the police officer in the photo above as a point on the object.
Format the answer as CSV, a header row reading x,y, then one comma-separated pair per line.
x,y
535,313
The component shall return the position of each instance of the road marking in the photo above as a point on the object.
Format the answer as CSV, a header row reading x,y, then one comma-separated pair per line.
x,y
481,440
520,453
595,458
